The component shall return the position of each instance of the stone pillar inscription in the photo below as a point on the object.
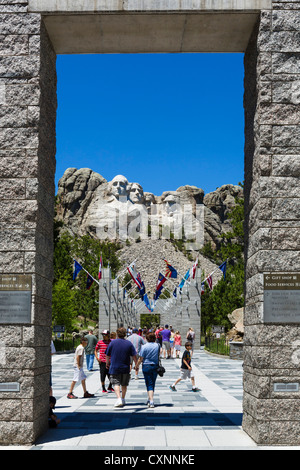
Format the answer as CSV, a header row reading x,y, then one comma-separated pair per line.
x,y
272,197
27,161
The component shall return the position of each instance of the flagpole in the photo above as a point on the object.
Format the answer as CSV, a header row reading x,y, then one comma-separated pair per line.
x,y
124,270
88,273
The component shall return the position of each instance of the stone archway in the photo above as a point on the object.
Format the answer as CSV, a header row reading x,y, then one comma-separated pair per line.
x,y
33,32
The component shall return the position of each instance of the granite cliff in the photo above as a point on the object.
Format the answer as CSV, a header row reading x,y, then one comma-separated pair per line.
x,y
89,204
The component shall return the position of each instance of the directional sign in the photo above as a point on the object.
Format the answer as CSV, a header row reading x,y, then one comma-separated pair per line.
x,y
15,299
282,298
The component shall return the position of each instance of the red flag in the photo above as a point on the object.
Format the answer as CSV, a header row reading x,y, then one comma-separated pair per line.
x,y
209,281
194,268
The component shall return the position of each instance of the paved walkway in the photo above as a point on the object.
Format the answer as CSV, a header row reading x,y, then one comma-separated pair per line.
x,y
180,420
184,420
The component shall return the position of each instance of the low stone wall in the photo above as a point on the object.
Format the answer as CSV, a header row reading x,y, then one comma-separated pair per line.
x,y
236,350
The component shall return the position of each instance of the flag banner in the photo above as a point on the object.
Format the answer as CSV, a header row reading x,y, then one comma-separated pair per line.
x,y
77,269
158,292
209,282
223,268
100,269
134,275
161,280
142,291
194,268
89,281
202,288
186,276
170,270
147,303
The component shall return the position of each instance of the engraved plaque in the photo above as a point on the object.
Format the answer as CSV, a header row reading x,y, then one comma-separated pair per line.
x,y
282,298
15,299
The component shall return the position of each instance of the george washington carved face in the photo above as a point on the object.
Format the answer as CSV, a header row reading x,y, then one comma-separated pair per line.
x,y
119,187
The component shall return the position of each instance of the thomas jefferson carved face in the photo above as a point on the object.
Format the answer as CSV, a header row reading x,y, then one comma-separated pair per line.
x,y
136,193
119,186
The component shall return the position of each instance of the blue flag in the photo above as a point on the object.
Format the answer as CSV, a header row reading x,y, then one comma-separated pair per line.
x,y
223,268
186,276
147,303
77,269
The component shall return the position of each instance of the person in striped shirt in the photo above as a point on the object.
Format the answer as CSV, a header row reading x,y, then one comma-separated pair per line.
x,y
100,355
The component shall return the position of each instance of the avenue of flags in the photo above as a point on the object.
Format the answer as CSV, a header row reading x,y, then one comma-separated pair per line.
x,y
170,273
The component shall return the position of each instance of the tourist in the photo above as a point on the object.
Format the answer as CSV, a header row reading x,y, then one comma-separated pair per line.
x,y
186,371
118,355
166,334
177,344
159,337
90,349
172,342
137,342
79,375
52,351
149,356
190,336
53,420
100,355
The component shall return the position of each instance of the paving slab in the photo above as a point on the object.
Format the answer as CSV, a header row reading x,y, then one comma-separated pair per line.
x,y
183,420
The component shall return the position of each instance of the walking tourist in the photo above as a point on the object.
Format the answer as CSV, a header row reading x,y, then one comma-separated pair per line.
x,y
90,350
149,357
177,343
79,375
100,355
166,334
190,336
186,371
118,355
172,341
137,342
159,337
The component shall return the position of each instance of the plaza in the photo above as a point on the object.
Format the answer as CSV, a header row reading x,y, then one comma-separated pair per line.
x,y
181,421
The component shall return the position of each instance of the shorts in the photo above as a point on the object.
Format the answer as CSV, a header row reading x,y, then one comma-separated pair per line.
x,y
177,347
186,374
78,374
103,371
120,379
166,345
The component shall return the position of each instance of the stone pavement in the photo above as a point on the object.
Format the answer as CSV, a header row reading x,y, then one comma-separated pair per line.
x,y
184,420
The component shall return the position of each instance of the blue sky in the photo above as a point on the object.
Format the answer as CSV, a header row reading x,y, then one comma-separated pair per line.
x,y
162,120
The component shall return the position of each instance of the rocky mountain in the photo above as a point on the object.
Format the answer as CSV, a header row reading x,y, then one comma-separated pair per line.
x,y
119,210
88,203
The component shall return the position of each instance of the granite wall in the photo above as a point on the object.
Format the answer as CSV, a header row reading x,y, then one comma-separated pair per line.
x,y
27,169
272,170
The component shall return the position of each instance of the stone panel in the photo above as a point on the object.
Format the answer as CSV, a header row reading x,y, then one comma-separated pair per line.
x,y
271,352
27,156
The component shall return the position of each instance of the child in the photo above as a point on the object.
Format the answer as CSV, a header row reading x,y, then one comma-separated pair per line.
x,y
177,343
53,420
78,370
186,369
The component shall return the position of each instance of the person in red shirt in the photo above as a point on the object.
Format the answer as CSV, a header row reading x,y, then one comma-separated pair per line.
x,y
100,355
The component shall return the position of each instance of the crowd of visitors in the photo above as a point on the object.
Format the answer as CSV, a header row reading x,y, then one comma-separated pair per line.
x,y
122,352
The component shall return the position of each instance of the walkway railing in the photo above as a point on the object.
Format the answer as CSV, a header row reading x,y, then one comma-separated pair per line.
x,y
217,345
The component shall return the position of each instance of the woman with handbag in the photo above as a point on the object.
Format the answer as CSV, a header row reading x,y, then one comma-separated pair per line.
x,y
149,356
